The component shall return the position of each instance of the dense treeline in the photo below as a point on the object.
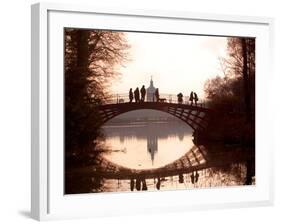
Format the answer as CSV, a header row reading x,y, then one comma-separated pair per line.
x,y
232,95
91,59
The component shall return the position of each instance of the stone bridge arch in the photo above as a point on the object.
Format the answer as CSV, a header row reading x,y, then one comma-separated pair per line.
x,y
195,116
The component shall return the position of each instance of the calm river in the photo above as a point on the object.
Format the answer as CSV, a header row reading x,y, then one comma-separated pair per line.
x,y
143,145
152,144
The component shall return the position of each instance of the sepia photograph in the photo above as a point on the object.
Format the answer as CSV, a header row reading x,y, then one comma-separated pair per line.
x,y
148,111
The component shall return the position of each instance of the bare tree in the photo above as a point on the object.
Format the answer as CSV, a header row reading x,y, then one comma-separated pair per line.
x,y
233,94
91,61
238,65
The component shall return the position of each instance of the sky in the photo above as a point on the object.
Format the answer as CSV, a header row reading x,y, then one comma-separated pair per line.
x,y
177,63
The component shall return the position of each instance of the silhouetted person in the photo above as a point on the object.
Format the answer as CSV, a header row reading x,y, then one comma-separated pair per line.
x,y
196,177
158,183
138,184
180,100
132,184
181,178
195,98
144,186
131,95
143,92
137,95
192,177
157,94
191,97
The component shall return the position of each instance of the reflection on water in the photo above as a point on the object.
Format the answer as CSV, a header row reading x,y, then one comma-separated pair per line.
x,y
140,147
143,145
231,175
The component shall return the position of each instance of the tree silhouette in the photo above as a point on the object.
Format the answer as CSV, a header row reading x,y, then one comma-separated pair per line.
x,y
233,94
91,59
237,86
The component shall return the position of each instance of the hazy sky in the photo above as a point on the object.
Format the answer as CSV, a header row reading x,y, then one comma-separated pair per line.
x,y
177,63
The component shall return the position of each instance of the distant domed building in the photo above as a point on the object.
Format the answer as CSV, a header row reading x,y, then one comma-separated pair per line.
x,y
150,92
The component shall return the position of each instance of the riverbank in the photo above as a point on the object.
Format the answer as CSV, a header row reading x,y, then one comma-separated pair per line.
x,y
228,129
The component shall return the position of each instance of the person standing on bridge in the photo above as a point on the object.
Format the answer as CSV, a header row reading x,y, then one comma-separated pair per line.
x,y
195,98
157,96
180,98
131,95
191,97
143,93
137,95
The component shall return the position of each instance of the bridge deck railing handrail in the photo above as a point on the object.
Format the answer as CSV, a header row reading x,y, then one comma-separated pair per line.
x,y
163,98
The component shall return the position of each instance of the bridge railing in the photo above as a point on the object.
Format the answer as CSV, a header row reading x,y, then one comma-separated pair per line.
x,y
163,98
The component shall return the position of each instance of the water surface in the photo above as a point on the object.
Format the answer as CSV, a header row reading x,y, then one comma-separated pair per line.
x,y
147,144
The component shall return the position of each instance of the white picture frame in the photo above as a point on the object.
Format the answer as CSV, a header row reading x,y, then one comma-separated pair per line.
x,y
48,201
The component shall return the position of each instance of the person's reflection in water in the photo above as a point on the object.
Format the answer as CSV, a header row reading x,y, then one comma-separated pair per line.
x,y
138,184
196,176
192,177
132,184
118,183
180,178
158,183
144,186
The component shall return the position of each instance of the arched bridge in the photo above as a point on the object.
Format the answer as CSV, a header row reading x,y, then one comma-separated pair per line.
x,y
196,116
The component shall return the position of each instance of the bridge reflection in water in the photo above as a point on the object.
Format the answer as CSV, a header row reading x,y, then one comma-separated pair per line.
x,y
198,158
197,168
